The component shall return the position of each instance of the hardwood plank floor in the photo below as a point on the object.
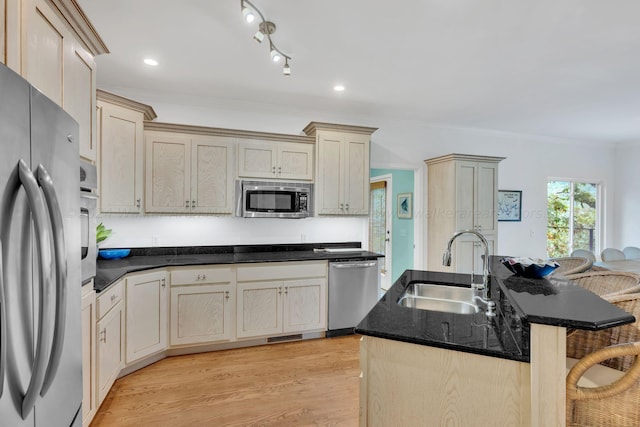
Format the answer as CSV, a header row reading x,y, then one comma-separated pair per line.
x,y
304,383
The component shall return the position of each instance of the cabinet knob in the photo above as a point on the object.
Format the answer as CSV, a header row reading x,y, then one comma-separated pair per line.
x,y
346,206
280,289
163,282
279,170
138,203
113,297
226,294
103,335
186,203
193,203
273,170
286,290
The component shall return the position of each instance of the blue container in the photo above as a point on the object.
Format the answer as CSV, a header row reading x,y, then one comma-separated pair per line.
x,y
113,253
533,271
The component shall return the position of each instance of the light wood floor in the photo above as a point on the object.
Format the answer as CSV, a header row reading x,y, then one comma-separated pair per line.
x,y
304,383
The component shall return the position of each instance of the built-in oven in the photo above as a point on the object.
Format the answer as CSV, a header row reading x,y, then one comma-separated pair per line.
x,y
88,206
259,199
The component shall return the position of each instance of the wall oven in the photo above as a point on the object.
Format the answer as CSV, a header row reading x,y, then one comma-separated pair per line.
x,y
259,199
88,206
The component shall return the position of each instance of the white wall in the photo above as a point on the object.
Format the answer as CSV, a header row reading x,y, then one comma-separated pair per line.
x,y
530,162
627,224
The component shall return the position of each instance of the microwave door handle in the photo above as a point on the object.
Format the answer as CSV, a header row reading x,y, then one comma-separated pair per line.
x,y
43,242
60,259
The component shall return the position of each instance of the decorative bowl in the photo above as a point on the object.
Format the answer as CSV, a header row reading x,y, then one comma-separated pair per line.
x,y
527,268
113,253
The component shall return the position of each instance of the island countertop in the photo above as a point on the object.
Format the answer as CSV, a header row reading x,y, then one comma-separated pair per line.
x,y
109,271
520,301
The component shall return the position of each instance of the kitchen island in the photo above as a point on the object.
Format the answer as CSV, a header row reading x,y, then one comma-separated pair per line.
x,y
422,367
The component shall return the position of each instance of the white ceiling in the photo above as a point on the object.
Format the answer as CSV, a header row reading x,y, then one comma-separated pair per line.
x,y
559,68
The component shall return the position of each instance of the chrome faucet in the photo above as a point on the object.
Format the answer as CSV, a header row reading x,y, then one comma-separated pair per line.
x,y
484,286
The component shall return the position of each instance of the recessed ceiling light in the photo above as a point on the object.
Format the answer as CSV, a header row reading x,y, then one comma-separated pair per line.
x,y
150,61
338,88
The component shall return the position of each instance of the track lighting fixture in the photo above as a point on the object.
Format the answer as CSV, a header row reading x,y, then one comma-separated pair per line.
x,y
265,28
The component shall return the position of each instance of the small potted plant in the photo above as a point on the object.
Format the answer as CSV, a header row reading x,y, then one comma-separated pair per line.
x,y
102,233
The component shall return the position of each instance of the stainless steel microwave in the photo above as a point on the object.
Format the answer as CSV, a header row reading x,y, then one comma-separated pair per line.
x,y
274,199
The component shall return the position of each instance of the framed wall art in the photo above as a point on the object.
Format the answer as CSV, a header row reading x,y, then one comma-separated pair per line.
x,y
509,205
405,205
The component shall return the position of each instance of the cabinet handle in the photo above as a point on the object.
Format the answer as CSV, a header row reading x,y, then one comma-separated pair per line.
x,y
163,282
138,203
346,206
341,206
193,203
186,204
226,294
103,334
273,170
113,297
286,290
279,170
280,290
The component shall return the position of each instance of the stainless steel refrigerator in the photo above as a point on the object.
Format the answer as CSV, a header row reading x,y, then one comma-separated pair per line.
x,y
40,331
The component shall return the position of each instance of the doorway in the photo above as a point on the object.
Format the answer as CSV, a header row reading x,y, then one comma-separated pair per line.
x,y
380,193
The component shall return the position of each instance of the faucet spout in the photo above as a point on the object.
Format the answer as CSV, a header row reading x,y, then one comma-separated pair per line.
x,y
446,259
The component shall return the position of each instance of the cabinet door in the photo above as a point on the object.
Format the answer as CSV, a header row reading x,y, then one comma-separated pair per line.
x,y
211,175
43,49
305,305
201,313
468,253
295,161
79,98
168,173
356,174
121,163
110,351
487,198
257,159
146,320
88,356
259,309
330,179
466,185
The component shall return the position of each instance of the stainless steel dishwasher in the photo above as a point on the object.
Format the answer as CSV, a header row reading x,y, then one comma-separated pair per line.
x,y
353,291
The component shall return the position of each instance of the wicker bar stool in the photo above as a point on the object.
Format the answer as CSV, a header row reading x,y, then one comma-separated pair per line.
x,y
603,384
608,282
571,265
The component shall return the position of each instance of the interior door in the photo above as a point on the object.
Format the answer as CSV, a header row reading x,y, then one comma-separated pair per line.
x,y
380,225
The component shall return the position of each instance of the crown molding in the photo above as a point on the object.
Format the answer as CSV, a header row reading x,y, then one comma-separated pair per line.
x,y
313,127
467,157
234,133
147,110
73,14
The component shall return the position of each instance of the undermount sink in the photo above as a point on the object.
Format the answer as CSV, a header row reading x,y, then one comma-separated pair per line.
x,y
439,297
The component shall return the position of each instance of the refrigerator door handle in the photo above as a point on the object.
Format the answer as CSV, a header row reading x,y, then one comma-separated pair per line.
x,y
3,327
21,175
60,258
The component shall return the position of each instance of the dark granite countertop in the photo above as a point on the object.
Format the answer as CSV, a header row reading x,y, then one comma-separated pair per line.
x,y
140,259
520,301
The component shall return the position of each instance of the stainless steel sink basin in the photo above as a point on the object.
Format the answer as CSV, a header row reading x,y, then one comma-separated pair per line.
x,y
438,297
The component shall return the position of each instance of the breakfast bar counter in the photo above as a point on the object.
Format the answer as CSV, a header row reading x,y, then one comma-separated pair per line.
x,y
421,367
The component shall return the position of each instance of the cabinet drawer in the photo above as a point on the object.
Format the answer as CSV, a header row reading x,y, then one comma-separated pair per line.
x,y
109,298
282,271
201,275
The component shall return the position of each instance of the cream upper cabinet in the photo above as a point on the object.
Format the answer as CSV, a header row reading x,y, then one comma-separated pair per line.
x,y
146,315
121,159
462,195
53,47
88,319
202,305
275,160
342,168
110,342
280,298
188,173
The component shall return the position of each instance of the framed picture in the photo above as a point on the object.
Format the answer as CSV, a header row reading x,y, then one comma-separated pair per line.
x,y
509,205
405,205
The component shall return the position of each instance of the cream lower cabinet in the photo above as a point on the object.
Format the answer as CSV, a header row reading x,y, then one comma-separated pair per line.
x,y
281,298
88,319
202,305
110,348
342,168
188,173
146,315
275,160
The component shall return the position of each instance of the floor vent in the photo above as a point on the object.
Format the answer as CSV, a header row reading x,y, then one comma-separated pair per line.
x,y
285,338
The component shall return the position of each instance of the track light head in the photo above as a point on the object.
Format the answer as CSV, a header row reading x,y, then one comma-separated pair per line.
x,y
248,14
275,55
258,36
286,70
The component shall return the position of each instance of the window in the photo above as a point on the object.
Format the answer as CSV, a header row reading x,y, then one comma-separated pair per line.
x,y
572,217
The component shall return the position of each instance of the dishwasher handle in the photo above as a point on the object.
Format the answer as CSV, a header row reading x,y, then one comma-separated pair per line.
x,y
353,264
